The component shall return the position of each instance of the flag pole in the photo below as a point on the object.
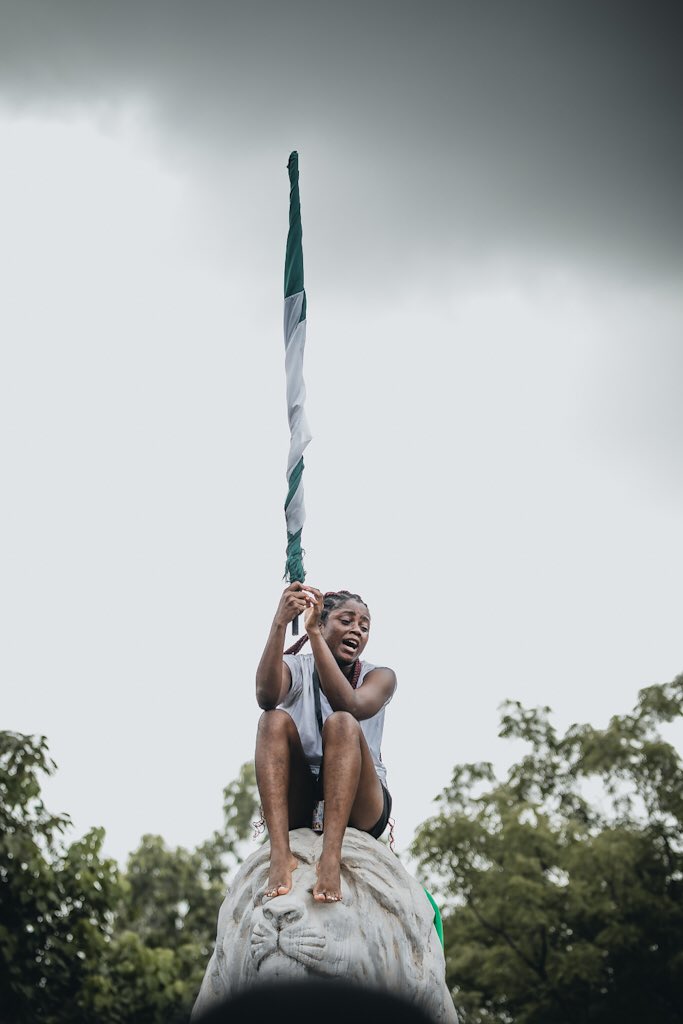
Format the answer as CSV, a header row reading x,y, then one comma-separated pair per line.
x,y
295,341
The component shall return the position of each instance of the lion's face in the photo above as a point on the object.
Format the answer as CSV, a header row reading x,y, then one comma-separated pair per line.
x,y
293,935
287,936
381,933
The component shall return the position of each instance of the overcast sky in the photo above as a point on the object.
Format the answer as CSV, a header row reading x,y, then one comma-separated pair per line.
x,y
493,251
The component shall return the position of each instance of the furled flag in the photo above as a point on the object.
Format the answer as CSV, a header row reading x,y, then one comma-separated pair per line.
x,y
295,340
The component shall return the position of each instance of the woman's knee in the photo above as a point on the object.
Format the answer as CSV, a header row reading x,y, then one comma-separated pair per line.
x,y
275,723
340,724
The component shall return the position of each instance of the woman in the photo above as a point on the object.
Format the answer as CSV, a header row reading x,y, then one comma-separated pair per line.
x,y
320,735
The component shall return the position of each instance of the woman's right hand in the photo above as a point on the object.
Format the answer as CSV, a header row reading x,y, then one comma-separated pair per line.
x,y
294,601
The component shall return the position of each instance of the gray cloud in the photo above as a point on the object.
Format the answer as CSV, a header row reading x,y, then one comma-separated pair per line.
x,y
548,127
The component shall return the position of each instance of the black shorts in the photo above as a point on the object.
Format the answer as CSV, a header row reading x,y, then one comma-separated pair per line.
x,y
382,821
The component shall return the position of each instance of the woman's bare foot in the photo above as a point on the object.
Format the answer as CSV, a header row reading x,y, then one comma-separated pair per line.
x,y
327,888
280,876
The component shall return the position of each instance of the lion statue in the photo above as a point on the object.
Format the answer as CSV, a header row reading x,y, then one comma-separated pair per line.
x,y
380,935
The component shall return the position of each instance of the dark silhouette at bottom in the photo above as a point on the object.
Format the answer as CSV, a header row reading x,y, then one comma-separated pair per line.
x,y
335,1001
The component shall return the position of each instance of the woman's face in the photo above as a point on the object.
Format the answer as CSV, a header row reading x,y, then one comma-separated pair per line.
x,y
346,631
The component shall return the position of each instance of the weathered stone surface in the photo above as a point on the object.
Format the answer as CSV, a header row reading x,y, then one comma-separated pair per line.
x,y
381,934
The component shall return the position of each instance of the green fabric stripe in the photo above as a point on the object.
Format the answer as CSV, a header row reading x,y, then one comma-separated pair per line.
x,y
294,256
294,481
294,569
438,923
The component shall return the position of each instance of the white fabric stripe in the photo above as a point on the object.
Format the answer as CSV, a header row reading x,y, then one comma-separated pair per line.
x,y
293,304
300,434
296,513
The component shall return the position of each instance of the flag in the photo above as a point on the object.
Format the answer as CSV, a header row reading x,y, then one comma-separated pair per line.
x,y
295,340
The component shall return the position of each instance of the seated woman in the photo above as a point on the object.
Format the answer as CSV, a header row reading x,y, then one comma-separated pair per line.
x,y
320,735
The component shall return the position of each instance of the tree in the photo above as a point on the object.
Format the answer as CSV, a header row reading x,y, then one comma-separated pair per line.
x,y
165,921
164,925
562,886
80,940
54,899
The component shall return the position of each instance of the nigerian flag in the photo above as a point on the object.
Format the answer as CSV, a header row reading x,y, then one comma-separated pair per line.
x,y
295,340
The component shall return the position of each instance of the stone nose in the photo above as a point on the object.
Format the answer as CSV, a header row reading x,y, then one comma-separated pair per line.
x,y
282,914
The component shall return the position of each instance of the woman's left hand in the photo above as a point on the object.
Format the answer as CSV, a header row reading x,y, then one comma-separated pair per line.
x,y
313,613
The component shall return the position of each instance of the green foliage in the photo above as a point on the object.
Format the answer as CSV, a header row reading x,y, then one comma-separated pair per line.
x,y
136,984
171,897
81,941
165,922
54,899
240,810
560,907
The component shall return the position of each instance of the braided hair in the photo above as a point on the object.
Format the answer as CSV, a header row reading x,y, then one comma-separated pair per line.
x,y
331,600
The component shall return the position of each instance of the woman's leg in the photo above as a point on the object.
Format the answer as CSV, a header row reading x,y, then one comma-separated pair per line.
x,y
353,796
285,785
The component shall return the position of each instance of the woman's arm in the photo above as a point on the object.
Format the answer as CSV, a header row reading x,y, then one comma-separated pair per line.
x,y
364,702
273,678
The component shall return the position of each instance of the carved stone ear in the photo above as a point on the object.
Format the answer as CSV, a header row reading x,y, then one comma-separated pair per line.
x,y
397,892
241,893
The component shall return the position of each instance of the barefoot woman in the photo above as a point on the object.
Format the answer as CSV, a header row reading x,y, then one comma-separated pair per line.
x,y
320,734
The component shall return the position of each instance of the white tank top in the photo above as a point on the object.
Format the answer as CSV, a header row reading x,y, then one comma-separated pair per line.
x,y
300,705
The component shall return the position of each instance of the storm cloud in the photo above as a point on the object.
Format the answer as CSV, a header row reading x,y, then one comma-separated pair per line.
x,y
550,127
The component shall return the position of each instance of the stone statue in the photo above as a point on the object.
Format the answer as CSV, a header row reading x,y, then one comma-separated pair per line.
x,y
380,935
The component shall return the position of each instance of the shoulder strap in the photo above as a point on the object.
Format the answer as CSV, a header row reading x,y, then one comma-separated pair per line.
x,y
316,698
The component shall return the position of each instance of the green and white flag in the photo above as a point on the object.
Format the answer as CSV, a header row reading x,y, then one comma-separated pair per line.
x,y
295,340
